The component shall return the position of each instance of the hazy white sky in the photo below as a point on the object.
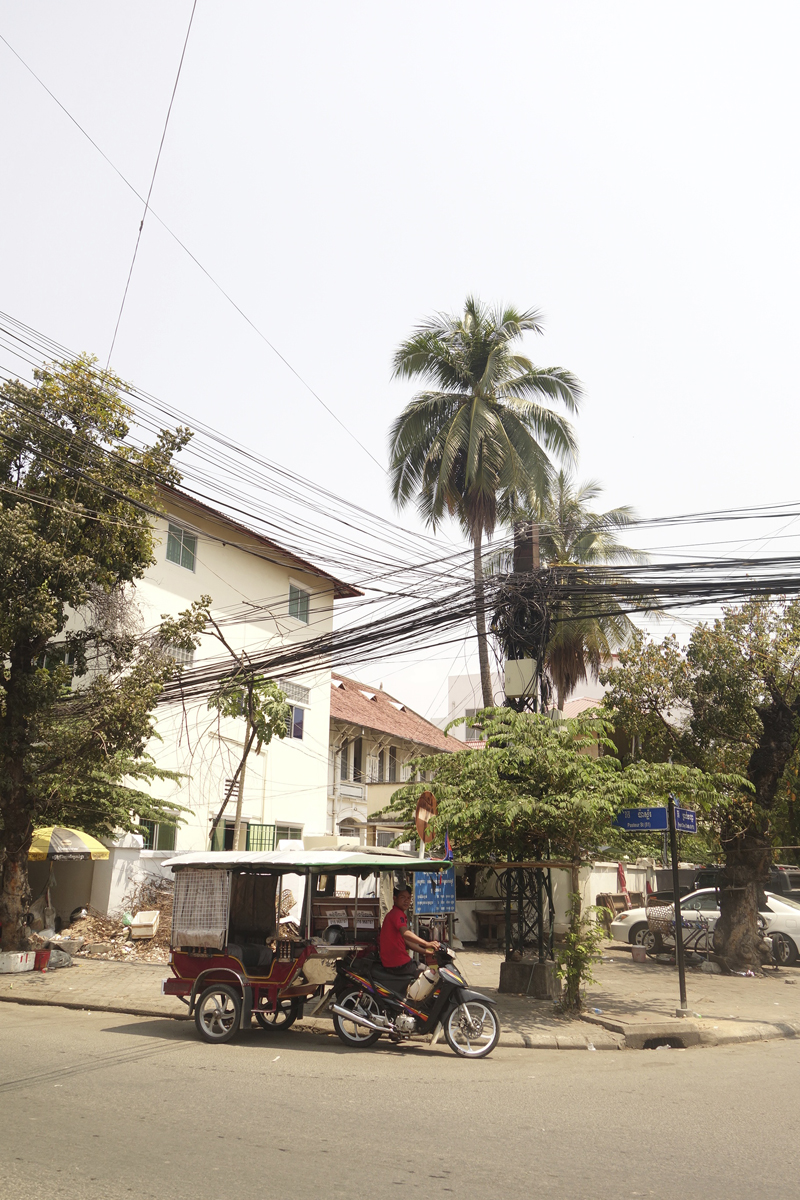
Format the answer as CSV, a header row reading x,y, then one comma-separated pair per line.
x,y
343,170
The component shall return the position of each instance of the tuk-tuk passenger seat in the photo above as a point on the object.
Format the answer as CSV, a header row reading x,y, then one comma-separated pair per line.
x,y
256,959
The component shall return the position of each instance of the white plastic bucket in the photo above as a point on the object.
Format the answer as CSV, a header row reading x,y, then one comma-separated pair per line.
x,y
638,954
14,961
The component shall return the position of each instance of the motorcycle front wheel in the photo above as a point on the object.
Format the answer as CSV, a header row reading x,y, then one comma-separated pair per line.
x,y
351,1033
474,1034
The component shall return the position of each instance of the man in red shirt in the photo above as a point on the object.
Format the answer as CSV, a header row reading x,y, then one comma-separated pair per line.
x,y
397,939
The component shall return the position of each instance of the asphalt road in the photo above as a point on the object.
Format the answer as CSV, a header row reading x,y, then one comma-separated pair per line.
x,y
100,1107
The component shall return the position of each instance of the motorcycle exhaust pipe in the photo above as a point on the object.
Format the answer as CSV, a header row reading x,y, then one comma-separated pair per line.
x,y
359,1020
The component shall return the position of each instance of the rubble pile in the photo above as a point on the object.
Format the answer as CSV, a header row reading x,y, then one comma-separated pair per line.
x,y
110,937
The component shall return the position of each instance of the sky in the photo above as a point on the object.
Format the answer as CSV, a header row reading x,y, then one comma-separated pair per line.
x,y
343,171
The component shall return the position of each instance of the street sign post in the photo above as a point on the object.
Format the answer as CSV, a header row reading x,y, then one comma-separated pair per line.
x,y
634,819
673,846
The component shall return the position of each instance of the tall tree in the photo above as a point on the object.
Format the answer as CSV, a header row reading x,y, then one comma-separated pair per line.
x,y
730,701
581,632
76,686
475,443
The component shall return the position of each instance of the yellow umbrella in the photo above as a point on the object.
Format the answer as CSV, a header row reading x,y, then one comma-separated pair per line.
x,y
60,844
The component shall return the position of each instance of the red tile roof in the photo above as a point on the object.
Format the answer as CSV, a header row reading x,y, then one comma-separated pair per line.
x,y
362,704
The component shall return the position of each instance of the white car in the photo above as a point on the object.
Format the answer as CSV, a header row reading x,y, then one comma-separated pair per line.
x,y
781,916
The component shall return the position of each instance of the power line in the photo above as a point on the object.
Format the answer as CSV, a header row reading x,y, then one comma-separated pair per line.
x,y
194,257
152,182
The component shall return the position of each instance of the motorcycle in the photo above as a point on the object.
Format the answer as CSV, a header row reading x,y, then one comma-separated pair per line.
x,y
370,1001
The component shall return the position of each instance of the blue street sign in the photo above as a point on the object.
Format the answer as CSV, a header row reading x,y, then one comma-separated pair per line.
x,y
685,820
642,818
434,893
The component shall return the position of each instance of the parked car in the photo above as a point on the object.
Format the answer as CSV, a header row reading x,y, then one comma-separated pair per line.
x,y
781,917
783,881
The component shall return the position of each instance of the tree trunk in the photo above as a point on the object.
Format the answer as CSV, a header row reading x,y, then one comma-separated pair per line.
x,y
237,825
480,623
14,898
748,854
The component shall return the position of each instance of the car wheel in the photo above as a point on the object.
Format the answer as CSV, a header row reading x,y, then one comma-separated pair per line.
x,y
218,1012
784,950
287,1013
653,942
638,933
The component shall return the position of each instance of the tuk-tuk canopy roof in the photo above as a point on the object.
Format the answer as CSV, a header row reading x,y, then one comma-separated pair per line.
x,y
366,858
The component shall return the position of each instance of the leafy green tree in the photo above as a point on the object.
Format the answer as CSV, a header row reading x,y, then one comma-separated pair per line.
x,y
475,443
77,686
730,702
543,789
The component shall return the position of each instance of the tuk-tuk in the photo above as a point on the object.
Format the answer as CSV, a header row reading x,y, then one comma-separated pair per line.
x,y
236,950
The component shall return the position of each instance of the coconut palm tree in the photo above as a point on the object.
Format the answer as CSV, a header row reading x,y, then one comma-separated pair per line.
x,y
572,536
475,444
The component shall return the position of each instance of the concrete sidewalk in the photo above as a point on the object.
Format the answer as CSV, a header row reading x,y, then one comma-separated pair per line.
x,y
631,1005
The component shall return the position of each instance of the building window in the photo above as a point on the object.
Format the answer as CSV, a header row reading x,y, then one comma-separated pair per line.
x,y
260,837
288,833
344,760
295,723
179,655
381,765
157,837
357,749
352,829
385,837
294,691
223,835
393,764
181,547
298,603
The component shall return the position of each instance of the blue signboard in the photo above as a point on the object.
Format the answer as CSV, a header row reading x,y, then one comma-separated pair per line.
x,y
642,818
685,820
434,892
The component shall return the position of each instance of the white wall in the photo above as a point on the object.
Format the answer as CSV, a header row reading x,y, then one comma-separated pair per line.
x,y
286,782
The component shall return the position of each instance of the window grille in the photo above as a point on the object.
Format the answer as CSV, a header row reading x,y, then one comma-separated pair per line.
x,y
298,603
181,547
178,654
294,691
200,908
261,837
157,837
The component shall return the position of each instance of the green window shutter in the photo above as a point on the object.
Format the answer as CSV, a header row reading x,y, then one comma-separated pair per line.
x,y
174,544
218,840
189,551
166,837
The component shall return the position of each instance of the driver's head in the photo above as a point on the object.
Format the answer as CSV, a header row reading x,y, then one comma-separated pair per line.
x,y
402,896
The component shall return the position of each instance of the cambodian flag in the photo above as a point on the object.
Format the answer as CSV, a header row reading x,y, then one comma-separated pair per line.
x,y
448,849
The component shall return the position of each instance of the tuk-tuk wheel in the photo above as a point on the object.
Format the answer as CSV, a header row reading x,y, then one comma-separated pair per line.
x,y
218,1012
285,1016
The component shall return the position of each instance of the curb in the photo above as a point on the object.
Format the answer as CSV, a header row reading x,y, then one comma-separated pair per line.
x,y
680,1033
683,1033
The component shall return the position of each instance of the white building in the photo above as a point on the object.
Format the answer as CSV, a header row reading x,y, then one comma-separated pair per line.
x,y
262,596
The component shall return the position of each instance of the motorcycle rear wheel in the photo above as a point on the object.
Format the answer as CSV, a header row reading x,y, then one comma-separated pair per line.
x,y
478,1040
357,1036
